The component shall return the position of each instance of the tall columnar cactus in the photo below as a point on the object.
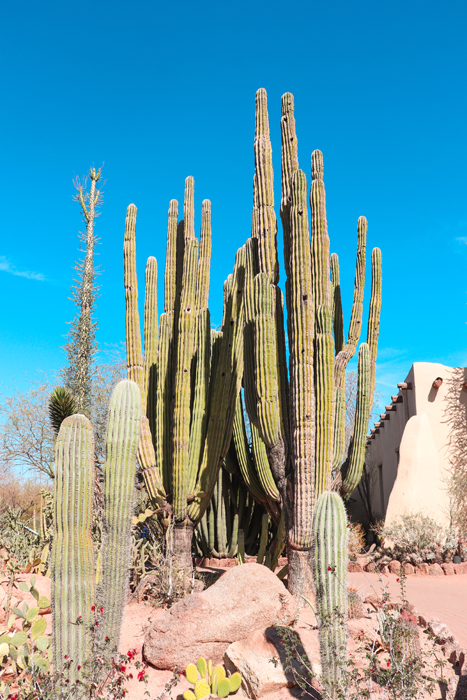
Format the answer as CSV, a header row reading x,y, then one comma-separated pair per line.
x,y
330,576
72,565
123,430
191,382
299,415
73,557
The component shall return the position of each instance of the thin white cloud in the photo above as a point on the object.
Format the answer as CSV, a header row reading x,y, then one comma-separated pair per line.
x,y
462,239
6,266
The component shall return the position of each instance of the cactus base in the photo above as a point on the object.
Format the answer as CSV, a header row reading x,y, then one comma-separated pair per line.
x,y
300,577
182,542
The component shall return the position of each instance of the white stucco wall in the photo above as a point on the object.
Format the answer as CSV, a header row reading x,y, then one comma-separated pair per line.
x,y
416,445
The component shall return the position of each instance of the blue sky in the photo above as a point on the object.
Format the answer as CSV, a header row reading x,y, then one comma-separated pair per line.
x,y
159,91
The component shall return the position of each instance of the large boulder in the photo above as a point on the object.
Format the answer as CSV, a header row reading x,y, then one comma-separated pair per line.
x,y
244,599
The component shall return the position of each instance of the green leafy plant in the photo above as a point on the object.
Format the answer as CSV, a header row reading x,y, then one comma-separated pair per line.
x,y
209,680
415,534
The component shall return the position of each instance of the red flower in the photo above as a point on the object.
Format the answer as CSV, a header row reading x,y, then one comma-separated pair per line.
x,y
329,568
97,624
66,656
101,610
397,579
107,639
389,663
79,668
93,607
140,676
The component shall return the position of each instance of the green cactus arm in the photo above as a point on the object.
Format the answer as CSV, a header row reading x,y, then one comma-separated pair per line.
x,y
337,314
289,167
204,262
72,561
244,457
353,466
267,233
241,548
151,337
255,212
266,376
281,541
344,356
170,277
319,234
182,381
162,429
330,576
374,316
251,270
264,539
325,399
134,351
263,468
189,208
234,538
200,399
224,392
301,330
123,430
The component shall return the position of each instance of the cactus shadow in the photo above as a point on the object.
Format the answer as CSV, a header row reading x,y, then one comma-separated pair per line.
x,y
287,640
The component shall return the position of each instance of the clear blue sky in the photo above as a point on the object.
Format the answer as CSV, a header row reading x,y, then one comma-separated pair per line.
x,y
159,91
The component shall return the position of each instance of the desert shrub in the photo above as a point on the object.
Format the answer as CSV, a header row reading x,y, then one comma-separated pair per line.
x,y
414,533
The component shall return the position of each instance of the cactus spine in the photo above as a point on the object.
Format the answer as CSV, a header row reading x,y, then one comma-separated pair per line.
x,y
73,556
193,378
330,575
302,423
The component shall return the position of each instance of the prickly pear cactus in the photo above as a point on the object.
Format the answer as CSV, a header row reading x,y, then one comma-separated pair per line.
x,y
210,681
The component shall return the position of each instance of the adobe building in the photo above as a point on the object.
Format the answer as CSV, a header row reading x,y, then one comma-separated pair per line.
x,y
411,449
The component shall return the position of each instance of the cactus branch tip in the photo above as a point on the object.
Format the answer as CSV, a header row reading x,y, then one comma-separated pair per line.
x,y
317,165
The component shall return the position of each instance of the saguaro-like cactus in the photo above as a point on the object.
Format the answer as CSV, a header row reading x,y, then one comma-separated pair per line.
x,y
299,415
72,566
123,430
330,575
192,379
73,557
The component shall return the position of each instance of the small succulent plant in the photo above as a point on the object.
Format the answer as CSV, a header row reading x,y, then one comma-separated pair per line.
x,y
209,680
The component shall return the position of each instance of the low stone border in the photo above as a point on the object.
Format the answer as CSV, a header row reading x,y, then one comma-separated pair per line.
x,y
395,567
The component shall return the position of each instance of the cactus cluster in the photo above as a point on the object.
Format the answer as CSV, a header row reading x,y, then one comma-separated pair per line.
x,y
299,414
73,566
209,680
190,375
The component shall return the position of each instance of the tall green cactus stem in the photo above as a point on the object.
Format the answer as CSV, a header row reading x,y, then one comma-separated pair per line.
x,y
135,362
300,424
345,355
325,398
330,576
337,315
123,430
151,338
72,568
319,234
353,466
267,223
374,317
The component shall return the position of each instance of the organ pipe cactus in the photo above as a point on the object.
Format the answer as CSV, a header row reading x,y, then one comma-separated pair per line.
x,y
330,575
73,557
190,383
299,415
